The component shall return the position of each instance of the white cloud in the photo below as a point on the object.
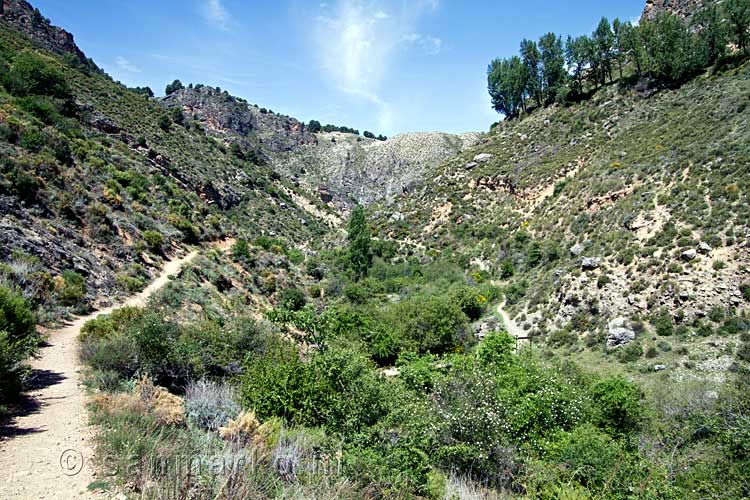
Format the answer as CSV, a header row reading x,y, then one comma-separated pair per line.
x,y
126,65
356,41
431,45
215,13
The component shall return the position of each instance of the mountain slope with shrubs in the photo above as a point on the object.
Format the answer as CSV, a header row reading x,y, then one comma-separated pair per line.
x,y
610,219
317,359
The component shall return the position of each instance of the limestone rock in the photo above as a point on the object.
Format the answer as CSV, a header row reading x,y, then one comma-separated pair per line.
x,y
576,250
689,254
482,157
619,333
589,263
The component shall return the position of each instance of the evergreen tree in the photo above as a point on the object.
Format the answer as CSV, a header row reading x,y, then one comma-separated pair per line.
x,y
359,254
604,40
173,87
712,35
532,63
631,46
738,19
507,82
668,44
576,58
314,126
619,52
553,65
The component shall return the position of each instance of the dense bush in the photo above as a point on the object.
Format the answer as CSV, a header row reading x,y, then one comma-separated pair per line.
x,y
18,341
210,405
154,240
72,290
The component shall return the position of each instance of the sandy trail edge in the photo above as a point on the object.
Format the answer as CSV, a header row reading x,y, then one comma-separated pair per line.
x,y
30,455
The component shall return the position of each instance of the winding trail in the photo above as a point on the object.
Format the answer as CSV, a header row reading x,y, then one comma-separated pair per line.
x,y
510,326
46,449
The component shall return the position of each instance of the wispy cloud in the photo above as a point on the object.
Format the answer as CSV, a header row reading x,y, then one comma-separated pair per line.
x,y
356,41
215,13
431,45
126,65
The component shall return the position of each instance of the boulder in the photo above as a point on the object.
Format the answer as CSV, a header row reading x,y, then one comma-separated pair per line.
x,y
576,250
471,165
590,262
658,368
704,248
689,254
619,333
482,157
485,327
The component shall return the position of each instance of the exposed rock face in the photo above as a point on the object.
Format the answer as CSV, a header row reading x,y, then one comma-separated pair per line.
x,y
235,120
685,9
589,263
619,333
28,20
365,170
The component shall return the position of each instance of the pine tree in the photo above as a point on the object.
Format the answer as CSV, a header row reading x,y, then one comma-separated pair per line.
x,y
738,20
359,254
553,65
531,58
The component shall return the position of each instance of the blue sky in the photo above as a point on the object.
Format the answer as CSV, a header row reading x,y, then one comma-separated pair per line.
x,y
388,66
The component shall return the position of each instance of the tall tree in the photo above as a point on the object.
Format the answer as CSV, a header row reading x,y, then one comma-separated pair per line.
x,y
576,57
738,19
618,49
553,65
531,58
506,83
359,254
711,34
632,46
668,44
603,40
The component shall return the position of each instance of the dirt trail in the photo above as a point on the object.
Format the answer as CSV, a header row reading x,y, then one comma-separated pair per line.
x,y
510,325
46,450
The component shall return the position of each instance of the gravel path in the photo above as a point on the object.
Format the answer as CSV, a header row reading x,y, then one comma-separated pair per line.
x,y
46,449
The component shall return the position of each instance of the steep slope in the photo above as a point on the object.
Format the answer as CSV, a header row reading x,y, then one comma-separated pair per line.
x,y
622,206
100,181
343,167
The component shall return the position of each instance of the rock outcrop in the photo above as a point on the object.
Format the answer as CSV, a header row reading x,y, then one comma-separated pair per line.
x,y
28,20
234,120
684,9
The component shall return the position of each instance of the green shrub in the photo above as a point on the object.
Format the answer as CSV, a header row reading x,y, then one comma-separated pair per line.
x,y
618,405
292,299
630,353
241,253
295,256
745,290
652,352
154,240
73,289
589,456
18,341
663,324
471,302
497,350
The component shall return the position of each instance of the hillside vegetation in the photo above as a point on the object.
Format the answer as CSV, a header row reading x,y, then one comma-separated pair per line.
x,y
350,343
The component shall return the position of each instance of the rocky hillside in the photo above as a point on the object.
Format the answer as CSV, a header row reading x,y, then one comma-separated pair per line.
x,y
342,168
25,18
631,206
682,8
99,183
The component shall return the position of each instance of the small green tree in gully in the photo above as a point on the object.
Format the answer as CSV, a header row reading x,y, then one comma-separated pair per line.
x,y
360,256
